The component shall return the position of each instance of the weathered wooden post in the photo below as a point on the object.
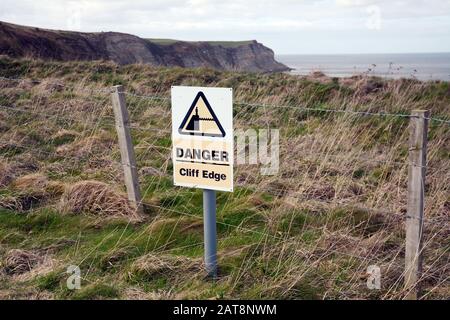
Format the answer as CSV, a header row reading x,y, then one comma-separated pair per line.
x,y
126,147
416,198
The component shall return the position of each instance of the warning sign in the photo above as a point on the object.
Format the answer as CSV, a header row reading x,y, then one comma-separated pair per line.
x,y
201,119
202,137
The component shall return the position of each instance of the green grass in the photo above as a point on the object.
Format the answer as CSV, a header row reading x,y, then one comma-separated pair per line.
x,y
109,249
226,44
96,291
51,282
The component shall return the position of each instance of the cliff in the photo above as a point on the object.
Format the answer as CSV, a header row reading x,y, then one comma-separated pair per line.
x,y
21,41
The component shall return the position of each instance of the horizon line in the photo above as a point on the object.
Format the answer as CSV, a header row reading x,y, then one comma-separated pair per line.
x,y
359,53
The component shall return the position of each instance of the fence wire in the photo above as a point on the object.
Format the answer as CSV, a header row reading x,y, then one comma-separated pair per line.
x,y
273,191
241,103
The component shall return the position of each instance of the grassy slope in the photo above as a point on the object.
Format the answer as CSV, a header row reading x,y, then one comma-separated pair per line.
x,y
309,232
226,44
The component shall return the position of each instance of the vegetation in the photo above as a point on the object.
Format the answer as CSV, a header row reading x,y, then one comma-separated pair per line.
x,y
336,206
226,44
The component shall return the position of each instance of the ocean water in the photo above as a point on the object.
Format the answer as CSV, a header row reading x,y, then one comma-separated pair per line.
x,y
423,66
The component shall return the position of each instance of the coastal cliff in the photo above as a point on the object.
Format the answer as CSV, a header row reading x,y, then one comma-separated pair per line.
x,y
20,41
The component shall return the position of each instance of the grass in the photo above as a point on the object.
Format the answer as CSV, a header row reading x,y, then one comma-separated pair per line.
x,y
226,44
310,232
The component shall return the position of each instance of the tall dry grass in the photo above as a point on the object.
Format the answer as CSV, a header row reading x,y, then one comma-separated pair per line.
x,y
336,206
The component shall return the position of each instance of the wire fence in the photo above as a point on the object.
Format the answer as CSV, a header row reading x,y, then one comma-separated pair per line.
x,y
323,160
152,98
300,108
236,103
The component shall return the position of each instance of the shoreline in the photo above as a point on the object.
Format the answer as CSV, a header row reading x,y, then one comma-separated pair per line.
x,y
419,66
320,75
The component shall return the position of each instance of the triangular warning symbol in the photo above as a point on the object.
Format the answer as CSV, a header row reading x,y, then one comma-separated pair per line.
x,y
201,119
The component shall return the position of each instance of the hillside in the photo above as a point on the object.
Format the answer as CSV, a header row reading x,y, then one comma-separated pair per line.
x,y
19,41
336,207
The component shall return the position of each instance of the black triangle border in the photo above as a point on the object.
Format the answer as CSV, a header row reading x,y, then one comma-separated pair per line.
x,y
186,118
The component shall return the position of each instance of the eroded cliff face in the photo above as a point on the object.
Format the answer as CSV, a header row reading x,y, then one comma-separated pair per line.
x,y
20,41
252,57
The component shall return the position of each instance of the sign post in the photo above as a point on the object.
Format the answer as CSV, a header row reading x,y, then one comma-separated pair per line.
x,y
210,233
202,140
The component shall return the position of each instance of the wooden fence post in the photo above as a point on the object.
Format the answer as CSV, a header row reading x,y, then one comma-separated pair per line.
x,y
416,198
126,147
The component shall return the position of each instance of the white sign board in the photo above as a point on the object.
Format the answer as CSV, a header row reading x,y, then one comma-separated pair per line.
x,y
202,137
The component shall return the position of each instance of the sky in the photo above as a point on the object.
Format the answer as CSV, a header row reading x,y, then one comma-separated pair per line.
x,y
287,26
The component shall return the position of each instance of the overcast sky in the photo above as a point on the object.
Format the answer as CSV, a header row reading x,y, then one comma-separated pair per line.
x,y
287,26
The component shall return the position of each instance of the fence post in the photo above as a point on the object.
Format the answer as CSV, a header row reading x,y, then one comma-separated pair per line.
x,y
416,194
126,147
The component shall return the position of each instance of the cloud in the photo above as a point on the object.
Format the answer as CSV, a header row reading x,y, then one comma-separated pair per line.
x,y
281,23
355,3
282,14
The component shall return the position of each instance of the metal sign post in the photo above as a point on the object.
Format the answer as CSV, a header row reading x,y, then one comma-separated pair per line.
x,y
210,233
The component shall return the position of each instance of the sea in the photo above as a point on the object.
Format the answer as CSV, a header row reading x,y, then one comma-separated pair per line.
x,y
421,66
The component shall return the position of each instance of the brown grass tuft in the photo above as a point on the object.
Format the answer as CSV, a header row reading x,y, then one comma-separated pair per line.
x,y
134,293
154,265
6,174
96,198
48,86
83,147
31,181
11,203
31,191
20,261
